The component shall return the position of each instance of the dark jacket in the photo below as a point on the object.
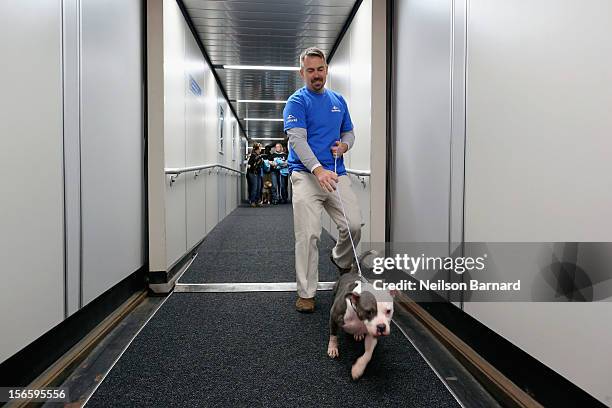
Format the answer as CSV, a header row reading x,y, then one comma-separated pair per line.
x,y
255,162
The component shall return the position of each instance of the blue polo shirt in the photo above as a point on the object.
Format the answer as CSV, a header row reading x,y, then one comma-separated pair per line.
x,y
324,116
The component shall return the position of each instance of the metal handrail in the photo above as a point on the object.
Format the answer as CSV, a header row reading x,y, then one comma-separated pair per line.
x,y
175,172
365,173
361,175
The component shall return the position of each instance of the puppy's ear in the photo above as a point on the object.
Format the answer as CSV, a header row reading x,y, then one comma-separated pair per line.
x,y
394,293
356,297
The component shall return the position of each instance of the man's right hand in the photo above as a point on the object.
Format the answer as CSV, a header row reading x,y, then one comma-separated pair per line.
x,y
327,179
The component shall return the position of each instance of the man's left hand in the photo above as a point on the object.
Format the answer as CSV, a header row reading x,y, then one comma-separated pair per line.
x,y
339,149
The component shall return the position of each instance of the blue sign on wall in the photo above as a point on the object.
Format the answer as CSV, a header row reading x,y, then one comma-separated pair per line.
x,y
195,88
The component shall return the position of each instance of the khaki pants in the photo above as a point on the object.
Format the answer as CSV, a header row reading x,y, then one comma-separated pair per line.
x,y
309,199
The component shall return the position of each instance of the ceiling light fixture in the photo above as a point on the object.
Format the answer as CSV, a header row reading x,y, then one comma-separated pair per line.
x,y
258,101
263,120
267,138
261,67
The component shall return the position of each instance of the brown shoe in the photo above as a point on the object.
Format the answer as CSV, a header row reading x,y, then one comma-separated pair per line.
x,y
305,305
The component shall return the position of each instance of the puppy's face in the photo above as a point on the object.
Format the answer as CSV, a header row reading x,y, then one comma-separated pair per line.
x,y
375,310
374,307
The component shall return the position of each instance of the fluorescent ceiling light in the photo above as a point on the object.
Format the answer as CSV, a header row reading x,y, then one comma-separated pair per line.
x,y
263,120
267,138
259,101
262,67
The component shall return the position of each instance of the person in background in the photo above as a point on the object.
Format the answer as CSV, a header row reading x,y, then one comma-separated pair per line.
x,y
254,168
277,185
283,173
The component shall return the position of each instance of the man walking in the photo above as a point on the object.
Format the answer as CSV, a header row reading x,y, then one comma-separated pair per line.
x,y
319,128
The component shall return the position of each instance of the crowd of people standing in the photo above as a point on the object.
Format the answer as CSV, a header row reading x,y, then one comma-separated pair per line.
x,y
267,175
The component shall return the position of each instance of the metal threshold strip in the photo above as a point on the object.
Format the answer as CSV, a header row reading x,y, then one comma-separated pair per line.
x,y
442,379
100,380
244,287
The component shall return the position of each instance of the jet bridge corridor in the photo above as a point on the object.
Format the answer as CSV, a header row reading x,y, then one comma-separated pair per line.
x,y
160,155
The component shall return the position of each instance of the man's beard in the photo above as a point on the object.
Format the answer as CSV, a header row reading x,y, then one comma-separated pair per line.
x,y
318,83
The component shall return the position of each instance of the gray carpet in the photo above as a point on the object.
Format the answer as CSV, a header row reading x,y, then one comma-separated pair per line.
x,y
254,245
253,349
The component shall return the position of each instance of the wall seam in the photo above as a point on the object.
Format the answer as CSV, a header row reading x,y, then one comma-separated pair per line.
x,y
185,99
145,136
451,132
63,76
80,124
390,118
465,119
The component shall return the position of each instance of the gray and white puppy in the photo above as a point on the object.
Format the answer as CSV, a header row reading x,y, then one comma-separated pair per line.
x,y
362,311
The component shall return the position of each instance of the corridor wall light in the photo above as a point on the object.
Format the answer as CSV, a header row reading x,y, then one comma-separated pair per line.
x,y
258,101
261,67
263,120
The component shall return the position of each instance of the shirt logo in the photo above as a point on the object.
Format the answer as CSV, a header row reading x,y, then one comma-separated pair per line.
x,y
291,118
336,109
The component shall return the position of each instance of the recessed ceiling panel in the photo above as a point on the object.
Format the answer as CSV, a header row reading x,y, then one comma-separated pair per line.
x,y
259,110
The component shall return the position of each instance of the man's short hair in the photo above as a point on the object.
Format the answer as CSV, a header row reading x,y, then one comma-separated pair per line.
x,y
311,52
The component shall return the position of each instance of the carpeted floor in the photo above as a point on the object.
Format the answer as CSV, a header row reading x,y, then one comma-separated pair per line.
x,y
254,245
253,349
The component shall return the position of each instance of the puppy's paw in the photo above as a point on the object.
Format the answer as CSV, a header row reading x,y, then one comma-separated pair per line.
x,y
332,347
357,370
358,337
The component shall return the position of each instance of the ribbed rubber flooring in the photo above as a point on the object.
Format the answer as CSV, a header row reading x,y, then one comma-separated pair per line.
x,y
254,245
253,349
